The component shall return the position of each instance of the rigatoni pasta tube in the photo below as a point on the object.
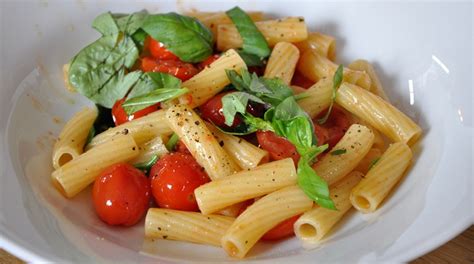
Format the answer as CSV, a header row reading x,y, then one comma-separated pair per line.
x,y
381,178
194,133
244,153
186,226
77,174
290,29
318,97
322,44
315,67
141,129
378,113
282,62
73,136
369,159
210,81
245,185
313,225
262,216
356,142
150,149
376,87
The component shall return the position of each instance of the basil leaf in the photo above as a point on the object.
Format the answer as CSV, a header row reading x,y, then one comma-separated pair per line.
x,y
336,82
109,24
373,162
171,144
139,38
338,152
116,88
151,81
279,91
250,59
146,166
233,103
253,40
131,23
159,95
101,62
105,24
186,37
313,185
254,124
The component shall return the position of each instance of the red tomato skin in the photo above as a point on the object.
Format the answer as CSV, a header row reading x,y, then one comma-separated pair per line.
x,y
282,230
158,50
177,68
333,129
278,147
212,112
121,195
181,147
173,180
202,65
301,81
120,116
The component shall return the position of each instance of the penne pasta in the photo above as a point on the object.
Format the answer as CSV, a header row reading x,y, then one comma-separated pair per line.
x,y
315,67
322,44
150,149
378,113
313,225
262,216
210,81
244,153
73,137
290,29
381,178
356,142
282,62
141,129
77,174
369,159
186,226
194,133
376,87
319,97
245,185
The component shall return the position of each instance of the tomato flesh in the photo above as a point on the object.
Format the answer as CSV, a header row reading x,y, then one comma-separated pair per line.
x,y
278,147
158,50
120,116
282,230
300,80
121,195
177,68
333,129
173,180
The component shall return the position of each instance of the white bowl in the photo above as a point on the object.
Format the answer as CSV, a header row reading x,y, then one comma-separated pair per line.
x,y
422,51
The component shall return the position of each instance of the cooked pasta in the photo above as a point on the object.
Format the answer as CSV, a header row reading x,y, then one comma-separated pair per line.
x,y
282,62
376,87
73,136
313,225
213,19
381,178
194,133
318,97
261,216
245,185
290,29
378,113
322,44
150,149
356,143
186,226
369,159
77,174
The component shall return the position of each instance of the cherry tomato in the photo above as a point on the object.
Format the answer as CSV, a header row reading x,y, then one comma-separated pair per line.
x,y
174,178
179,69
158,50
120,116
201,66
300,80
333,129
282,230
121,195
212,112
180,147
278,147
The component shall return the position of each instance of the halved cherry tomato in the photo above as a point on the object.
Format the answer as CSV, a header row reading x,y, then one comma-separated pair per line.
x,y
202,65
300,80
120,116
179,69
158,50
333,129
121,195
212,112
278,147
174,178
282,230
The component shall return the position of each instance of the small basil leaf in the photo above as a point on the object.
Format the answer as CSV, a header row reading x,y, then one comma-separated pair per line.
x,y
313,186
338,152
146,166
159,95
151,81
251,59
171,144
109,24
253,40
129,24
105,24
186,37
374,162
233,103
336,82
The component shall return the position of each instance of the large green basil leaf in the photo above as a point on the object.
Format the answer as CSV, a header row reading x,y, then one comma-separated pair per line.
x,y
108,23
